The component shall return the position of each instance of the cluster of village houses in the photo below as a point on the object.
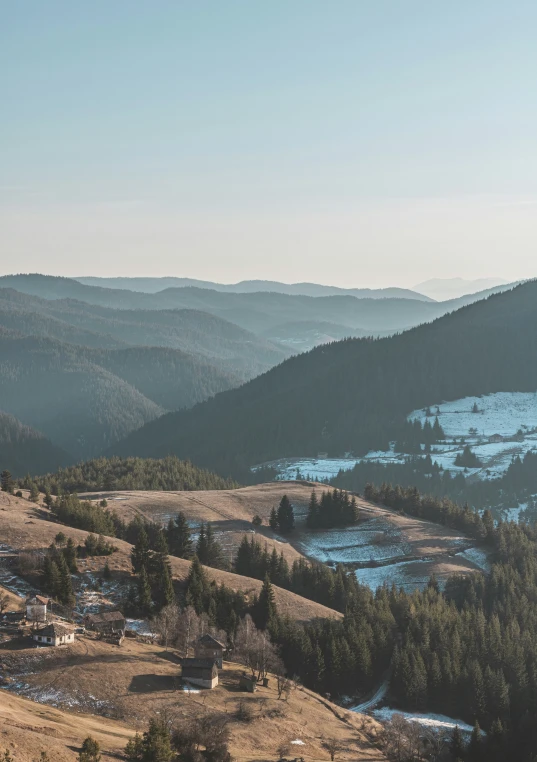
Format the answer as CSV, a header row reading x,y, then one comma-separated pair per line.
x,y
200,671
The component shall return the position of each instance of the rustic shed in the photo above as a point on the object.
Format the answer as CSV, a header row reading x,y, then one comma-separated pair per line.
x,y
201,672
106,622
208,647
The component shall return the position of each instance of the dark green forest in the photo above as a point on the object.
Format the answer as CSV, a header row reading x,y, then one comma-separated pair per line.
x,y
516,486
354,395
21,446
108,474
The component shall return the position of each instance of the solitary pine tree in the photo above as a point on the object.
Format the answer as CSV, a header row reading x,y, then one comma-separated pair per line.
x,y
265,611
90,751
6,482
34,493
179,537
286,519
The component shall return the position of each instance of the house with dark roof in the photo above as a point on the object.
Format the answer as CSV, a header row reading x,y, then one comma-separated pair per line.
x,y
54,634
200,672
208,647
106,622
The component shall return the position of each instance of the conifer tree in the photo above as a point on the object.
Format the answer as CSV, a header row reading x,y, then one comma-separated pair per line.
x,y
196,586
202,547
141,554
65,584
34,493
69,553
265,610
144,593
90,751
286,519
6,482
273,520
179,537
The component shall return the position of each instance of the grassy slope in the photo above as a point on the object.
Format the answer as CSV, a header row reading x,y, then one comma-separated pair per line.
x,y
24,526
138,680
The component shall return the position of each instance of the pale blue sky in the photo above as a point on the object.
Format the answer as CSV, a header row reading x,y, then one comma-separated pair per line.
x,y
343,141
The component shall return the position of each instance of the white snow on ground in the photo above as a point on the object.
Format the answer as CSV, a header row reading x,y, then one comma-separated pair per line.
x,y
298,742
313,469
501,413
404,574
438,721
373,541
140,626
15,584
377,697
477,557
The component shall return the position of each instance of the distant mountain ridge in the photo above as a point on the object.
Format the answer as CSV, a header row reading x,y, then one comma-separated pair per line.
x,y
353,395
443,289
155,285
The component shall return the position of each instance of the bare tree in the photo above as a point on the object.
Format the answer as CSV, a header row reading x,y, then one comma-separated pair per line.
x,y
332,746
166,623
188,629
283,685
283,750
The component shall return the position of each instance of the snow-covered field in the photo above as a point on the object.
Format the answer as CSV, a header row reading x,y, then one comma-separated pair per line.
x,y
313,469
435,721
375,540
409,575
503,414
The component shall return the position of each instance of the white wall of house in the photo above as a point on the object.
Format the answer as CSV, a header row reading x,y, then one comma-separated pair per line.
x,y
55,641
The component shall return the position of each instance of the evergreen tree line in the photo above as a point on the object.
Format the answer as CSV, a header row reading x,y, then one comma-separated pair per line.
x,y
411,435
517,484
334,588
334,509
116,473
445,512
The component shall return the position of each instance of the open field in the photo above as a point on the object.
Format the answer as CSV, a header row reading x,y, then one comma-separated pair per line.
x,y
138,681
383,547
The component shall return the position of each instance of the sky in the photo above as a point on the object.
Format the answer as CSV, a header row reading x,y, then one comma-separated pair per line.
x,y
349,142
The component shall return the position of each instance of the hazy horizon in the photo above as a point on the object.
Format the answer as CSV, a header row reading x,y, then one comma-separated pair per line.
x,y
358,144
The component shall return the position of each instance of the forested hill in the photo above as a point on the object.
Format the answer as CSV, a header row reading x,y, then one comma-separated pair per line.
x,y
21,446
131,474
353,395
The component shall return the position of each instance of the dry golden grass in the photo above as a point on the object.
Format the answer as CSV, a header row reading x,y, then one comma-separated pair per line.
x,y
140,681
28,728
25,526
231,513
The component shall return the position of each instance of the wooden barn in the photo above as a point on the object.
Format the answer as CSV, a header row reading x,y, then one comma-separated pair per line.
x,y
54,634
208,647
107,622
201,672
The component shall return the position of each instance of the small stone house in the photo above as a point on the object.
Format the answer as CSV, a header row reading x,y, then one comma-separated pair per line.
x,y
201,672
36,608
54,634
208,647
106,622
